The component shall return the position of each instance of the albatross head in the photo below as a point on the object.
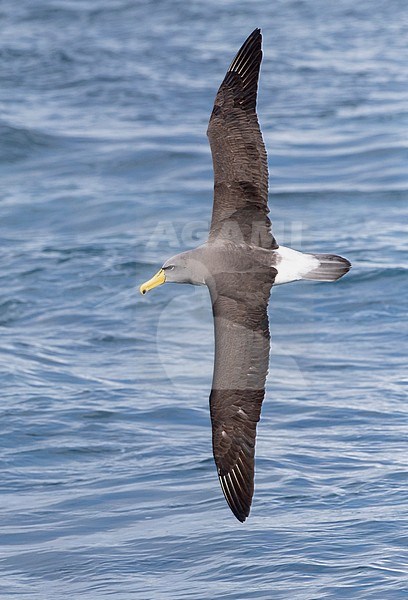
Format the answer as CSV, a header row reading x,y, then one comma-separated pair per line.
x,y
182,268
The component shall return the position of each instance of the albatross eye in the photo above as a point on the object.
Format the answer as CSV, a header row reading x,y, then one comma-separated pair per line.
x,y
168,268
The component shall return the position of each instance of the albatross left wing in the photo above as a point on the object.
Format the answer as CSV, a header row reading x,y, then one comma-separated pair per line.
x,y
241,360
240,210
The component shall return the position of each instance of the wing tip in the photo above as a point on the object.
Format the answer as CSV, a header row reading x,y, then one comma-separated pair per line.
x,y
238,500
256,32
248,58
253,42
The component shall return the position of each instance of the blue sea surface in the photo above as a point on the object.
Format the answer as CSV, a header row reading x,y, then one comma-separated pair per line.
x,y
108,487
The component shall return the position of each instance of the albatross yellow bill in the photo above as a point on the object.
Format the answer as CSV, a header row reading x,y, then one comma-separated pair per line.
x,y
156,280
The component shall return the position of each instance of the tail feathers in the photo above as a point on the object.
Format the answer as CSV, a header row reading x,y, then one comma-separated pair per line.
x,y
331,268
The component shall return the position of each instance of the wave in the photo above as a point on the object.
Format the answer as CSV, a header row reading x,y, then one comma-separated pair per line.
x,y
19,143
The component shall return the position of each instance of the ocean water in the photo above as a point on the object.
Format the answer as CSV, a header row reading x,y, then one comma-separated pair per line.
x,y
108,487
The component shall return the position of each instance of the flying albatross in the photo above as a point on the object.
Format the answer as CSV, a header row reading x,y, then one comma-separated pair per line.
x,y
239,264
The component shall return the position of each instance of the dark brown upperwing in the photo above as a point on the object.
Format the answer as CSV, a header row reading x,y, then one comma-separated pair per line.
x,y
240,210
241,360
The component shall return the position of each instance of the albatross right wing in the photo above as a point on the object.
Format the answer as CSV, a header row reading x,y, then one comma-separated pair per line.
x,y
240,210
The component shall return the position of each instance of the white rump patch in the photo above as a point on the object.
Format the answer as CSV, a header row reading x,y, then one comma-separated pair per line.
x,y
293,265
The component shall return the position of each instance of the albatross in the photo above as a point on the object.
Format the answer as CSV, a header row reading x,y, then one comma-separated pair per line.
x,y
239,264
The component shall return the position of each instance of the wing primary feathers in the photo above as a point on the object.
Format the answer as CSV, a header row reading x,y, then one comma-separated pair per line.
x,y
246,65
246,52
240,511
228,496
